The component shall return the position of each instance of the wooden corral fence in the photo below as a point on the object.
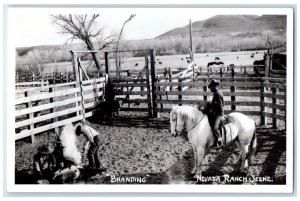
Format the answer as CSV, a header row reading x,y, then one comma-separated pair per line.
x,y
264,97
51,78
232,71
39,110
245,90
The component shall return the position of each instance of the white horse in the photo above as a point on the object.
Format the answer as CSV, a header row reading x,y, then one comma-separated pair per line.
x,y
240,129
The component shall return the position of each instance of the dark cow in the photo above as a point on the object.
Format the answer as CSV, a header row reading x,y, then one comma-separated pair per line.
x,y
252,55
214,63
259,62
181,59
160,63
136,64
188,61
217,59
237,57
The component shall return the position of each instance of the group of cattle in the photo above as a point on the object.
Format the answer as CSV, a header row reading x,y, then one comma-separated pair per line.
x,y
217,62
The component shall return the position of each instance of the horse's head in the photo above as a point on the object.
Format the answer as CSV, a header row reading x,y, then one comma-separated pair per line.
x,y
176,121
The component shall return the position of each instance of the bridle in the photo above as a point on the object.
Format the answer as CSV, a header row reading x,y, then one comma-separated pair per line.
x,y
190,128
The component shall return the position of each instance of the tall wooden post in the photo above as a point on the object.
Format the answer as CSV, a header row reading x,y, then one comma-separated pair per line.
x,y
205,90
52,110
268,64
76,75
106,63
179,90
262,107
153,81
191,42
148,88
274,102
170,77
79,70
232,90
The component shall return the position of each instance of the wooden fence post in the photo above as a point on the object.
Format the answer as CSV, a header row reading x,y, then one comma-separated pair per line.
x,y
148,87
232,90
262,107
76,75
205,90
268,64
53,77
106,63
29,116
274,102
52,110
153,81
79,70
179,90
170,77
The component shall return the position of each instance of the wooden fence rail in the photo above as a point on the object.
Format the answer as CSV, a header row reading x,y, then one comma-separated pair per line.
x,y
38,111
251,96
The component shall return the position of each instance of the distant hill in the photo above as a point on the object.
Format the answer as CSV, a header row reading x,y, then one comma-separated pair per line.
x,y
228,24
218,33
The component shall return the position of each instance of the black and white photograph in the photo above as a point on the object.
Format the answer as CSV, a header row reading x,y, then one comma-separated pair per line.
x,y
150,99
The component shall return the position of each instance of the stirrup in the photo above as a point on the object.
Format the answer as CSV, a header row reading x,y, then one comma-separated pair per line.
x,y
218,145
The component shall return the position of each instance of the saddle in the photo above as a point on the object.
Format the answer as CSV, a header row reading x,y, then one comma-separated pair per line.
x,y
206,109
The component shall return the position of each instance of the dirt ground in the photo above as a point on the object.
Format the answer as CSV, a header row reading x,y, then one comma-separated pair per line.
x,y
138,147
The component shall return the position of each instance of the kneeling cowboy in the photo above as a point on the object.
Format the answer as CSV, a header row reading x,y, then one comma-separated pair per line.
x,y
93,142
44,163
218,111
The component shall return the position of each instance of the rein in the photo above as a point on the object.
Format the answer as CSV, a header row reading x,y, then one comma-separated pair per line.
x,y
196,124
193,126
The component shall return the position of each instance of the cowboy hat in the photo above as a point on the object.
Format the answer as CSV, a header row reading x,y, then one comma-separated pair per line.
x,y
45,149
213,83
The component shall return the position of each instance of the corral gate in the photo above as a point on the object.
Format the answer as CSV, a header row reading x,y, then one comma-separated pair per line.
x,y
133,88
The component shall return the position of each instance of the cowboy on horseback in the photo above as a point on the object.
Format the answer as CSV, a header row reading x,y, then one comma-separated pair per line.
x,y
217,105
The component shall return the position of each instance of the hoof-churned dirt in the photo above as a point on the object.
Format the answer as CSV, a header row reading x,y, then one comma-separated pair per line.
x,y
139,150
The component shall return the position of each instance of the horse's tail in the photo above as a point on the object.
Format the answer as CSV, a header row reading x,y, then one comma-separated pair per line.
x,y
253,144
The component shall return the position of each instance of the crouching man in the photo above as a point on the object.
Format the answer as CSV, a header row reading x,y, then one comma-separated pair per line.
x,y
93,145
44,163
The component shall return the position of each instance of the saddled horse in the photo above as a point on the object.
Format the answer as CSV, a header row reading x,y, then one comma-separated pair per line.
x,y
239,129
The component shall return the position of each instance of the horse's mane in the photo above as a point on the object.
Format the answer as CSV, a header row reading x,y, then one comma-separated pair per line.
x,y
188,112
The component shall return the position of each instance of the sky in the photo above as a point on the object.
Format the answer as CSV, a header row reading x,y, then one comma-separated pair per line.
x,y
32,26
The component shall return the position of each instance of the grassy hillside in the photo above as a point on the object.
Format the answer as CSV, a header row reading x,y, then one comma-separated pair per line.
x,y
228,24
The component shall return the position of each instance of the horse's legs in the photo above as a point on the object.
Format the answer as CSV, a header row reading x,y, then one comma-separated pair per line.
x,y
195,160
200,154
252,150
238,143
245,157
